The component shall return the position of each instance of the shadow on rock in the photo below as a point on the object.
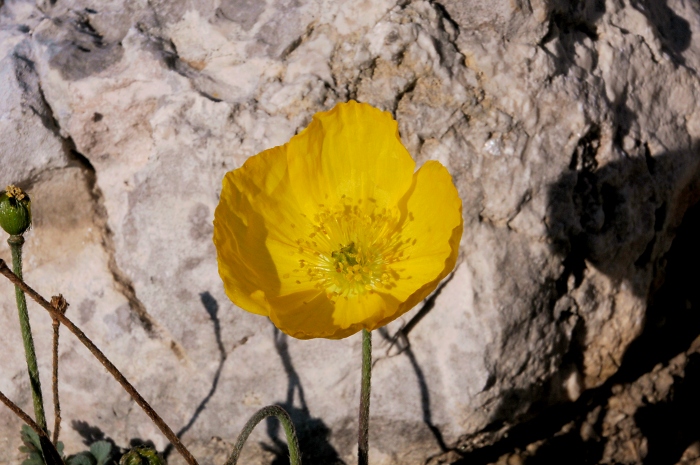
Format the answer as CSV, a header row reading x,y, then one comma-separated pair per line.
x,y
673,31
620,219
212,307
610,216
671,426
92,434
313,434
571,23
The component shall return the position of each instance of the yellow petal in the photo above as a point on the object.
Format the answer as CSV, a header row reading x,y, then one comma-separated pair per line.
x,y
307,315
352,153
431,232
364,311
304,315
245,266
255,226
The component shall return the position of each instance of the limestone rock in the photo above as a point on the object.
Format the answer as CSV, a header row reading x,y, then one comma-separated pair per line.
x,y
570,129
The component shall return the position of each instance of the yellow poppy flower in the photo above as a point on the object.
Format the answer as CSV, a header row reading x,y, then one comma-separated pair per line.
x,y
333,232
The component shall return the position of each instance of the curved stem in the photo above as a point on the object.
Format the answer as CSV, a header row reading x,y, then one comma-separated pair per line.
x,y
260,415
16,243
363,436
97,353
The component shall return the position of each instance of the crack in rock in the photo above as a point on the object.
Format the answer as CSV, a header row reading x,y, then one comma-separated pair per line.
x,y
122,282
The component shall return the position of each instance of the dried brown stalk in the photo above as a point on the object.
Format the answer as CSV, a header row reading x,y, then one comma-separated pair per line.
x,y
60,304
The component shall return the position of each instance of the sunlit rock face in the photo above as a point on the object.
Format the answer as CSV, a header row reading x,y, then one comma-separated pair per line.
x,y
570,129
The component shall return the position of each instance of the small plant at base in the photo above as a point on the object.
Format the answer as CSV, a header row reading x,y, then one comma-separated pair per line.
x,y
33,448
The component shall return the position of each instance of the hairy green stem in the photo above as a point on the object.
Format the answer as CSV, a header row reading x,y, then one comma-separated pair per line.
x,y
16,243
363,436
260,415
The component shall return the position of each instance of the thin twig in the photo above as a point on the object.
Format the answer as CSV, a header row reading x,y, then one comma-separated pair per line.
x,y
22,415
164,428
51,455
60,304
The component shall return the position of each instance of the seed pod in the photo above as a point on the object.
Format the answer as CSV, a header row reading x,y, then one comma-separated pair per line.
x,y
15,211
141,455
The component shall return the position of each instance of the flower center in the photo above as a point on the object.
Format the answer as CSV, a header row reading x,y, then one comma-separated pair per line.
x,y
350,251
354,269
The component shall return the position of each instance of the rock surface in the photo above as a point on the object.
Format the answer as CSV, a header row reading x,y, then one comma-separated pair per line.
x,y
571,130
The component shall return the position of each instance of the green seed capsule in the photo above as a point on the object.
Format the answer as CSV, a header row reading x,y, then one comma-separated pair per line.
x,y
15,211
141,455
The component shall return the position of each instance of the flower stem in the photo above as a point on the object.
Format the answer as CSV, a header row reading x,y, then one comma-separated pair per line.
x,y
363,437
260,415
16,243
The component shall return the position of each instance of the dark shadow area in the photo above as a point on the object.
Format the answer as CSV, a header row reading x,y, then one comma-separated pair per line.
x,y
212,307
313,434
558,448
425,400
672,31
610,216
78,49
671,426
673,316
135,442
571,22
673,323
615,217
92,434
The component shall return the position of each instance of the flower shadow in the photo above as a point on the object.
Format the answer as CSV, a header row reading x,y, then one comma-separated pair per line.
x,y
313,434
212,307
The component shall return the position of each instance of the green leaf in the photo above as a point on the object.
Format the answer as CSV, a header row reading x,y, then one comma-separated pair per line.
x,y
32,446
83,458
101,450
30,438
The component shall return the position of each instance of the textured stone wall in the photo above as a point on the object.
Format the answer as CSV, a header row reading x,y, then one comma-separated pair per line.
x,y
570,128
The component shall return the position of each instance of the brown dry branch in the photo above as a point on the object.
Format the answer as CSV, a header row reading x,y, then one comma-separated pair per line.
x,y
164,428
22,415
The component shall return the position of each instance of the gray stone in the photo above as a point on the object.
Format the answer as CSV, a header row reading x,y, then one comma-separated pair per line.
x,y
570,129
